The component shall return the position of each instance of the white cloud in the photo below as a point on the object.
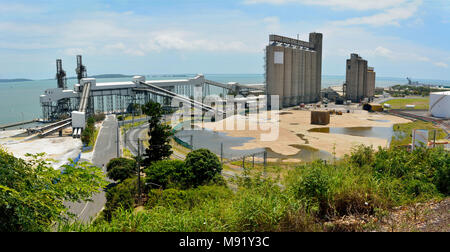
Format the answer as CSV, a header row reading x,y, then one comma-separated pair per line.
x,y
16,8
441,64
390,12
339,4
390,16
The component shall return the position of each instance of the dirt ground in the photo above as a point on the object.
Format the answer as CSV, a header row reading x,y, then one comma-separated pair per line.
x,y
293,125
57,148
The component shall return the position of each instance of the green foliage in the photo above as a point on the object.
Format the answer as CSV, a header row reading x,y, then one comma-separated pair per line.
x,y
203,165
167,173
120,169
403,132
159,142
121,196
32,192
88,134
364,183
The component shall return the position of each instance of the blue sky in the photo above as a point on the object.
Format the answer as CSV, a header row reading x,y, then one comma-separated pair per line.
x,y
398,37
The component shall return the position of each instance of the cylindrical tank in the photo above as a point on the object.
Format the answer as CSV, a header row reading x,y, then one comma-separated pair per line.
x,y
314,95
307,82
275,73
301,84
295,77
440,104
287,77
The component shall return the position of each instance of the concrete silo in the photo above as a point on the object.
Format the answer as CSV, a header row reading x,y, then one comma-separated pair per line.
x,y
314,96
294,69
308,72
295,89
302,80
287,92
275,73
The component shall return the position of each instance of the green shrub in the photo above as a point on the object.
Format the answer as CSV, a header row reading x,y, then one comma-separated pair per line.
x,y
203,166
167,173
120,169
122,196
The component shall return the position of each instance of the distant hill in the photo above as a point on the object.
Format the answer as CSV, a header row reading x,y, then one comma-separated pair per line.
x,y
14,80
107,76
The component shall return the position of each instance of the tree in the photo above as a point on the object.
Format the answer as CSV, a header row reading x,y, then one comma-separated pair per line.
x,y
32,193
167,173
120,169
159,142
203,165
123,195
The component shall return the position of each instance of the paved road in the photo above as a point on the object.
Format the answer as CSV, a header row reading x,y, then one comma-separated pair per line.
x,y
105,150
132,136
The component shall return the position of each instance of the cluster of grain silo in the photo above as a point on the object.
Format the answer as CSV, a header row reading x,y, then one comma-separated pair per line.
x,y
294,69
360,79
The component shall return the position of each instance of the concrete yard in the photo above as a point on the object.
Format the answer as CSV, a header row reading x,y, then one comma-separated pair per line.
x,y
294,126
57,148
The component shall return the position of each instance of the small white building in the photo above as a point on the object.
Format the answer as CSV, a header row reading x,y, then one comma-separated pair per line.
x,y
440,104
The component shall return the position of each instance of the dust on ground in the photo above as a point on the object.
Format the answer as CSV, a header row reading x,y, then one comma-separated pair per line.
x,y
57,148
294,125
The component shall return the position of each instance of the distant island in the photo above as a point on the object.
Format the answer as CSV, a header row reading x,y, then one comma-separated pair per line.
x,y
14,80
106,76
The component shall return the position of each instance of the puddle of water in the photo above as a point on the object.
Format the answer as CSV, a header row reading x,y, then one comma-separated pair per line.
x,y
377,132
303,138
306,154
212,140
377,120
208,139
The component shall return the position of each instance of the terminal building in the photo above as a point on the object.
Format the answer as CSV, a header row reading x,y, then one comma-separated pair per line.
x,y
360,79
294,69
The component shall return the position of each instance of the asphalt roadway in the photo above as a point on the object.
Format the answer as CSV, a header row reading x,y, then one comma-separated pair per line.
x,y
105,150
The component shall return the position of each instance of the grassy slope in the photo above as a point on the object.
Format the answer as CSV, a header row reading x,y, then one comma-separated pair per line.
x,y
421,103
406,130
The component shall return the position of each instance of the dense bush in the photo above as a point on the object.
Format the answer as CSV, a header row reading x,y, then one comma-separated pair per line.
x,y
120,169
121,196
88,134
167,173
32,193
367,182
203,165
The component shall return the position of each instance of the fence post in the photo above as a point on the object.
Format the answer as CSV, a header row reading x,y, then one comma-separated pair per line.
x,y
243,163
221,153
253,161
265,163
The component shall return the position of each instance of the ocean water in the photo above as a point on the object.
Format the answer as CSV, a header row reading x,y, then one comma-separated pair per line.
x,y
19,101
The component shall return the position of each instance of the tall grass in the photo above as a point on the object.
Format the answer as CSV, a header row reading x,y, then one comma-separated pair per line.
x,y
365,183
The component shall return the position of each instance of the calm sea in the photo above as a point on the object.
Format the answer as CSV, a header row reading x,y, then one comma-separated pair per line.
x,y
19,101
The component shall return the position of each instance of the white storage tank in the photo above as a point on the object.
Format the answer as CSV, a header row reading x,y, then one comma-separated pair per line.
x,y
440,104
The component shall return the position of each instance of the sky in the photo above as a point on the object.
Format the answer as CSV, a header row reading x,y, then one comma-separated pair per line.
x,y
399,38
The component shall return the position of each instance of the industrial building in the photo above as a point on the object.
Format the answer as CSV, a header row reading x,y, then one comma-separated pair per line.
x,y
440,104
294,69
360,79
70,107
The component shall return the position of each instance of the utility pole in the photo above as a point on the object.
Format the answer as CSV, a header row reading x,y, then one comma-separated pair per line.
x,y
118,140
221,153
139,171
